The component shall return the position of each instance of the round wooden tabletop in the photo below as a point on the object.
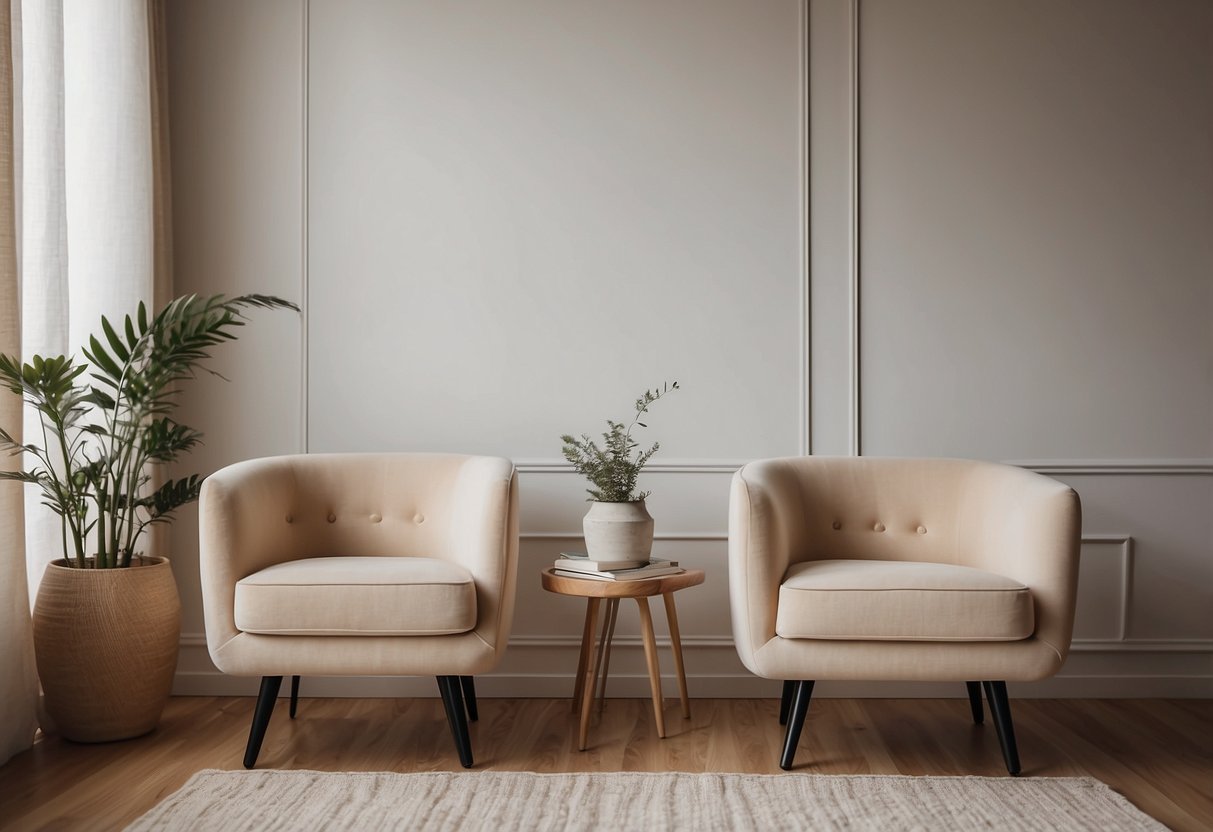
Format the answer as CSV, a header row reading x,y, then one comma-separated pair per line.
x,y
591,588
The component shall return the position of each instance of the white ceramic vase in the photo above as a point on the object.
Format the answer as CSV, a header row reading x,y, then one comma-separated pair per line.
x,y
618,531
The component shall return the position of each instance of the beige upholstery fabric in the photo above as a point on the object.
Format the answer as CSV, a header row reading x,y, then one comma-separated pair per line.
x,y
345,596
886,600
996,518
460,510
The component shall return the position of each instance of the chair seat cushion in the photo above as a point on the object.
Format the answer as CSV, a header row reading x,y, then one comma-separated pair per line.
x,y
881,600
352,596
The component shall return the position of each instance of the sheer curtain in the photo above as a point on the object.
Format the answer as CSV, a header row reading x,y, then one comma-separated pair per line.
x,y
18,684
83,233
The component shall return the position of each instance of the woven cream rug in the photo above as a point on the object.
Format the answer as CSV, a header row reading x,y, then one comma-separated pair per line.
x,y
243,801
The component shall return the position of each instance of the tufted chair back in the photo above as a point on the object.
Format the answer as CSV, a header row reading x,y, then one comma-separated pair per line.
x,y
886,508
363,505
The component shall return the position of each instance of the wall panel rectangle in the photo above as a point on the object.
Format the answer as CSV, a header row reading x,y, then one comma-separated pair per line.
x,y
522,214
1036,205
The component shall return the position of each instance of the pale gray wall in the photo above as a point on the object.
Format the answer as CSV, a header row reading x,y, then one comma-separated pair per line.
x,y
530,212
236,117
1037,228
1002,228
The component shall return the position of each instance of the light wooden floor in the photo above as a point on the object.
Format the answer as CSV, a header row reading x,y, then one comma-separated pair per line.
x,y
1159,753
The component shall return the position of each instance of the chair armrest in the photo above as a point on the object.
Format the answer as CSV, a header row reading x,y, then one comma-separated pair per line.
x,y
241,516
1028,527
765,534
483,539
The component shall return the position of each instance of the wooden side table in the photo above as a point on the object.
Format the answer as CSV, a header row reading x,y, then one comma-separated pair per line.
x,y
593,657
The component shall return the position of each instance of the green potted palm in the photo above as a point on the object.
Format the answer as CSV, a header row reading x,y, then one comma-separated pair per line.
x,y
618,525
107,616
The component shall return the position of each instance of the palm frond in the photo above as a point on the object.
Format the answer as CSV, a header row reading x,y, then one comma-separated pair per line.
x,y
108,433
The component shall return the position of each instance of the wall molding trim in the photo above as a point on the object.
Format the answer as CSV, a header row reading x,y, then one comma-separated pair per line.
x,y
722,685
556,465
1141,645
1097,668
656,535
1176,467
1124,542
725,642
304,243
806,274
718,642
1193,466
856,412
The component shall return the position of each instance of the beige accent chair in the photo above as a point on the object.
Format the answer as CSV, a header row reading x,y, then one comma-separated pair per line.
x,y
360,565
869,568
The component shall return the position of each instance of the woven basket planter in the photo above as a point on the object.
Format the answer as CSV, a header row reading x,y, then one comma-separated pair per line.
x,y
106,645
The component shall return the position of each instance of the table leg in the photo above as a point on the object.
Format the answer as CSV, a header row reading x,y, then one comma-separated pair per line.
x,y
608,635
650,654
586,637
671,616
591,675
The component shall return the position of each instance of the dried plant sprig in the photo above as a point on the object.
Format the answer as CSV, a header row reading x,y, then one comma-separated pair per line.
x,y
612,469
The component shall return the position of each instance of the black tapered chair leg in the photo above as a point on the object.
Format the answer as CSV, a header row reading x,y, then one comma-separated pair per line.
x,y
1000,709
452,700
974,689
468,684
800,707
266,699
294,695
786,702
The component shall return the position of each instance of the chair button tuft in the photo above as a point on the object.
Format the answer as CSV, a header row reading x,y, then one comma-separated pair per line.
x,y
837,525
922,529
879,527
375,518
290,518
418,519
332,517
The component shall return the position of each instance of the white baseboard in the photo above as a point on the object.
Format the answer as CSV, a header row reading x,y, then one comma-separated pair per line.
x,y
723,686
542,666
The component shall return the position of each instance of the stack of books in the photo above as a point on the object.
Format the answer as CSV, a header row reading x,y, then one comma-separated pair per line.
x,y
581,565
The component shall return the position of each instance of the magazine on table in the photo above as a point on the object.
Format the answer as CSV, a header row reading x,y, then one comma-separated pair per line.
x,y
581,562
576,565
